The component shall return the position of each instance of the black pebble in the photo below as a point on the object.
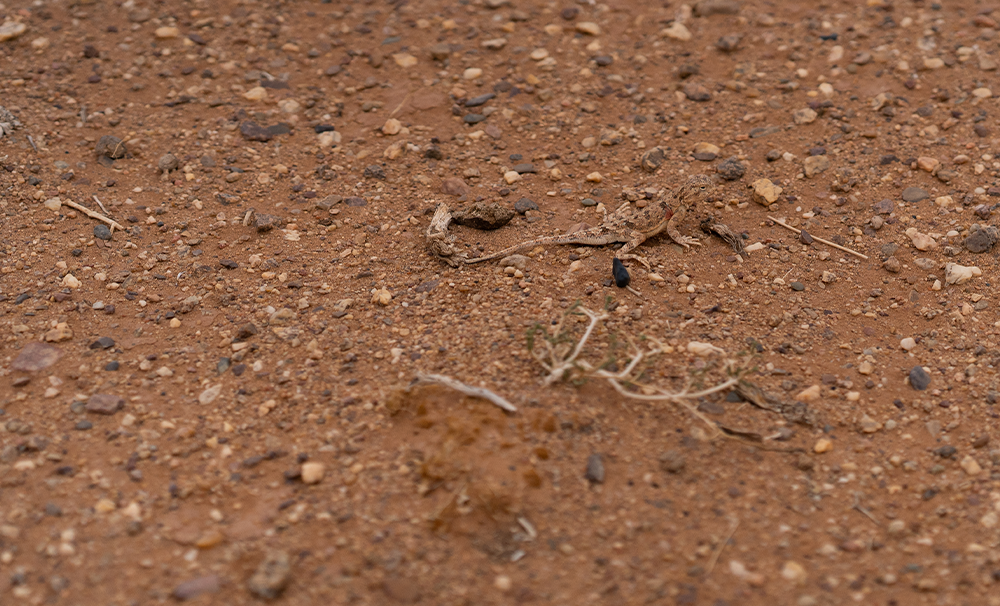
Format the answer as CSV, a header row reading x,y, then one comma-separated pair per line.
x,y
111,366
620,274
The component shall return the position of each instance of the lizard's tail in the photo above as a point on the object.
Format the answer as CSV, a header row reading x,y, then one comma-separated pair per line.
x,y
513,249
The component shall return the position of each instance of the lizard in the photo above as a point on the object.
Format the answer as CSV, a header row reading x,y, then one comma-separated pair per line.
x,y
631,225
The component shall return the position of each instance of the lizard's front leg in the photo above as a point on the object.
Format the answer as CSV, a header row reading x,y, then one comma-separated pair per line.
x,y
675,220
635,239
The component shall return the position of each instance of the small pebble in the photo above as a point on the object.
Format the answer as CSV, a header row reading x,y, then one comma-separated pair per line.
x,y
919,379
312,472
595,469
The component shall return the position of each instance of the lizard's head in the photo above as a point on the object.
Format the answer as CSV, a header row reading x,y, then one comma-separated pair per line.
x,y
698,187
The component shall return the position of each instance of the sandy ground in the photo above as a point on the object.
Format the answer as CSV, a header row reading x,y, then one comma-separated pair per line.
x,y
217,296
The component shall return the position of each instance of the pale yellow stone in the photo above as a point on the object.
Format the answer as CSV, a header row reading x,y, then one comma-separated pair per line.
x,y
61,332
707,148
494,44
971,466
312,472
588,27
823,445
928,164
382,296
595,177
11,30
392,126
166,33
960,274
328,138
257,93
404,60
794,572
289,106
677,31
809,394
765,192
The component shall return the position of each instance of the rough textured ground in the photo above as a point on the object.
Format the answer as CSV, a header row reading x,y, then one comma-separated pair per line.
x,y
218,405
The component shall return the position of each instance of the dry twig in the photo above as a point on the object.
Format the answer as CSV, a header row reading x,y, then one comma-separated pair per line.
x,y
101,205
476,392
409,94
94,215
722,545
857,506
818,239
561,357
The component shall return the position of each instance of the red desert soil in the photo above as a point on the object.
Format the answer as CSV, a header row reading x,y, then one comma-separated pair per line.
x,y
220,305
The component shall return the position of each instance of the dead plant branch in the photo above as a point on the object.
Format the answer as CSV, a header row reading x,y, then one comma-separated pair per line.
x,y
476,392
562,356
104,210
857,507
94,215
718,550
818,239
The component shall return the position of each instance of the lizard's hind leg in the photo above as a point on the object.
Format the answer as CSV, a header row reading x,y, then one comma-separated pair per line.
x,y
625,252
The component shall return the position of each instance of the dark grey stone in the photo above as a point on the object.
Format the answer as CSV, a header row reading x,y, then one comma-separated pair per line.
x,y
919,379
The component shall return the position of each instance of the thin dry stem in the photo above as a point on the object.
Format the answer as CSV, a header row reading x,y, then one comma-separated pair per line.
x,y
101,205
476,392
559,365
94,215
818,239
718,551
559,362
